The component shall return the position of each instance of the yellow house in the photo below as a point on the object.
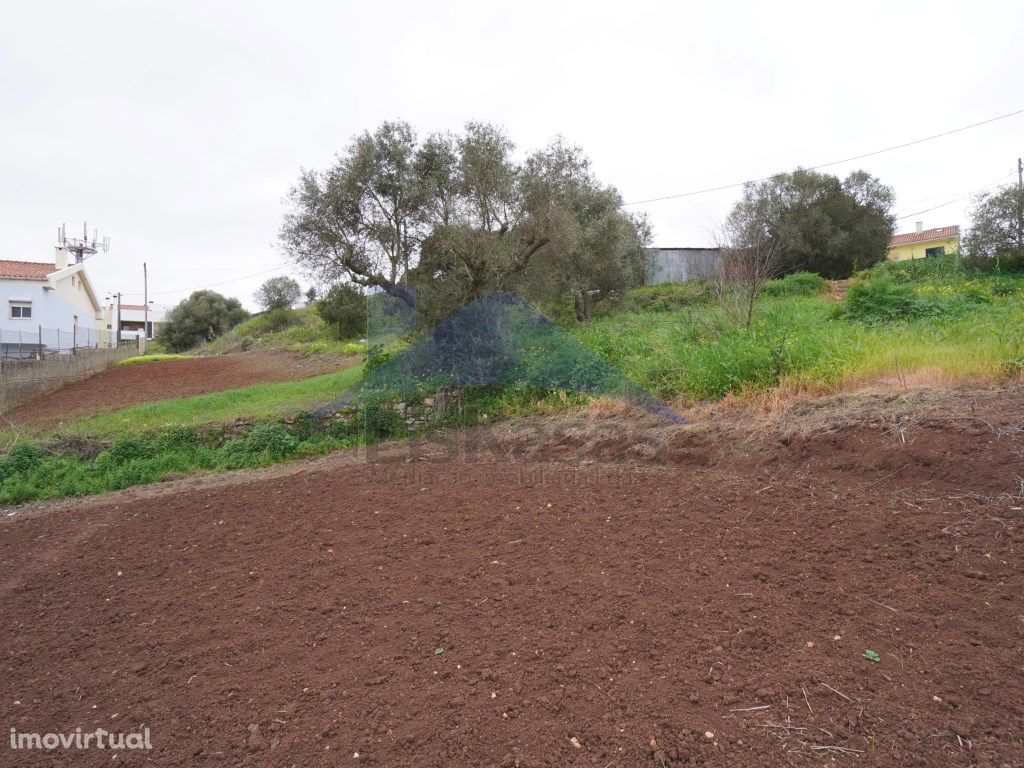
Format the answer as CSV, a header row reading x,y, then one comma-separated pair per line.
x,y
923,243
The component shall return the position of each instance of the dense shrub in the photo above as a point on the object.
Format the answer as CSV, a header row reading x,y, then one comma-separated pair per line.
x,y
796,284
882,299
270,322
270,438
1006,286
667,297
382,421
22,458
203,316
343,308
942,269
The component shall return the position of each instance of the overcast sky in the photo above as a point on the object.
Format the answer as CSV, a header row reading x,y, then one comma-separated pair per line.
x,y
176,128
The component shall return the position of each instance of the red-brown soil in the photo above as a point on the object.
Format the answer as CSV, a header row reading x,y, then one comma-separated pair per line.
x,y
125,385
708,606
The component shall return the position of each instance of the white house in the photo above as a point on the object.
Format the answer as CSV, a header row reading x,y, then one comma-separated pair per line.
x,y
48,307
134,318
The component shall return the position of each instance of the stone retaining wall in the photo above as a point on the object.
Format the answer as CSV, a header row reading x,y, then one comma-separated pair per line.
x,y
21,379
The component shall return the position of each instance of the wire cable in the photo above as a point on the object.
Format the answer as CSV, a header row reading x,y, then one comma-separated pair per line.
x,y
833,162
213,285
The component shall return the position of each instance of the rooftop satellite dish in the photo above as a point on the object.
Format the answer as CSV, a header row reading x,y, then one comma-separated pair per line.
x,y
82,247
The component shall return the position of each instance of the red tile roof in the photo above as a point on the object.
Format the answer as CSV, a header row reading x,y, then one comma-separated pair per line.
x,y
139,307
31,270
939,233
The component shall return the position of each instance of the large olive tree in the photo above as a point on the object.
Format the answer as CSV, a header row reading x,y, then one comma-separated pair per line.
x,y
604,253
448,218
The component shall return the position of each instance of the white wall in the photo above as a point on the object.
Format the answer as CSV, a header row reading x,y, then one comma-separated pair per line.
x,y
54,310
50,308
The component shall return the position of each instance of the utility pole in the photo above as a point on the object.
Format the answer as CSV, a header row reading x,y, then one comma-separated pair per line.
x,y
145,302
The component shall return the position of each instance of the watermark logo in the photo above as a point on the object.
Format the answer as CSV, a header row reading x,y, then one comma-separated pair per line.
x,y
79,739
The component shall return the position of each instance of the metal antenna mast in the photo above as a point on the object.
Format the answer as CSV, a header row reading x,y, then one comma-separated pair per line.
x,y
84,247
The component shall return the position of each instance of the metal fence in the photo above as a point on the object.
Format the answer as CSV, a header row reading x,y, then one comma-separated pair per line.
x,y
38,341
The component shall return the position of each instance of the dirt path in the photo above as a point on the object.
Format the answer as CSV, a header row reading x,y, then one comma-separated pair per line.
x,y
126,385
709,606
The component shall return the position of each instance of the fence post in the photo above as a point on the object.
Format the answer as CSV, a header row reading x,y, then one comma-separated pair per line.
x,y
39,352
74,338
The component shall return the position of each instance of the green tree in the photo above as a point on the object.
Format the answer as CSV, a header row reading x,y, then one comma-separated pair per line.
x,y
201,317
995,238
457,215
278,293
819,223
604,255
362,219
343,308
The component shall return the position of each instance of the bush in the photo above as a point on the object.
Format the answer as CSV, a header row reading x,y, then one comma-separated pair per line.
x,y
1006,286
278,319
882,299
797,284
382,421
125,450
343,308
270,438
667,297
943,268
22,458
203,316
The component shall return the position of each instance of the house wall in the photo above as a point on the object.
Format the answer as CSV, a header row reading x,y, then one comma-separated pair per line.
x,y
50,308
72,290
917,250
22,379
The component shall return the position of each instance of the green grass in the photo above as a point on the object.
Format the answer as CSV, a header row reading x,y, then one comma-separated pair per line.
x,y
301,330
953,324
259,401
897,319
155,358
28,472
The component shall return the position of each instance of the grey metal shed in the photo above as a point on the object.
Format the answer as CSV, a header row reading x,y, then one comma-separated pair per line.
x,y
677,265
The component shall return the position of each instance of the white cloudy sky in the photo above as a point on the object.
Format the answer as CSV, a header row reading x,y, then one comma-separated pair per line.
x,y
176,128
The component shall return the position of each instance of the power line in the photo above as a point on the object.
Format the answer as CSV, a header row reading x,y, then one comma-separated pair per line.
x,y
955,199
209,269
833,162
214,285
951,194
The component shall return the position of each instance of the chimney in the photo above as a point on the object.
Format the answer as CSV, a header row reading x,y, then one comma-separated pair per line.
x,y
61,258
920,226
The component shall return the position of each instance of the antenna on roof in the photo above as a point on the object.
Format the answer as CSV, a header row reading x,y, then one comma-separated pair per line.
x,y
84,247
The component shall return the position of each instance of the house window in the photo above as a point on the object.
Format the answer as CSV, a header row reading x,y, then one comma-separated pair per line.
x,y
20,310
930,253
